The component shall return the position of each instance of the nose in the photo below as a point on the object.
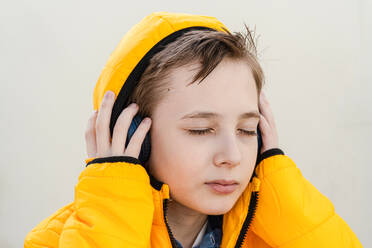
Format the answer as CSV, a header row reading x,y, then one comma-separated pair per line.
x,y
228,153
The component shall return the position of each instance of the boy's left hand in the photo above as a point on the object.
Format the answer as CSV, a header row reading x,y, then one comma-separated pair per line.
x,y
267,125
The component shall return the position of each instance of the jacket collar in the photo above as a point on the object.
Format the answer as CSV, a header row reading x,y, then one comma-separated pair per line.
x,y
233,221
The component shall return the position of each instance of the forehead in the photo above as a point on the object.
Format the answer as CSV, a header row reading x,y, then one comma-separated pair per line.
x,y
229,88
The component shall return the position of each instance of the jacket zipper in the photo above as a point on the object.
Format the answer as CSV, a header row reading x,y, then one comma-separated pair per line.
x,y
248,219
243,232
172,239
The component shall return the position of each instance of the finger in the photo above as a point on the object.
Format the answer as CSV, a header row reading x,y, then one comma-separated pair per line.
x,y
102,124
135,143
90,136
269,135
264,126
265,109
121,128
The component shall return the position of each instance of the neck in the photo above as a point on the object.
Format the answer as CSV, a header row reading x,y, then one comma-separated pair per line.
x,y
184,222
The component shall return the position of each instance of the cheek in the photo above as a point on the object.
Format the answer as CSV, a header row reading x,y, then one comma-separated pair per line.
x,y
250,162
179,168
175,157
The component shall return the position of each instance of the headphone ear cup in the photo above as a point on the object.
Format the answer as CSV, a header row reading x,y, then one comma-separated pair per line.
x,y
146,145
259,140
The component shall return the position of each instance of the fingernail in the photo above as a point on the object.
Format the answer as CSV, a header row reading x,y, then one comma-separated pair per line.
x,y
109,94
147,120
133,105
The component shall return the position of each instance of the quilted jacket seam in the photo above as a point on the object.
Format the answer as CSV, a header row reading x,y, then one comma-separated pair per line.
x,y
47,227
273,172
309,232
109,235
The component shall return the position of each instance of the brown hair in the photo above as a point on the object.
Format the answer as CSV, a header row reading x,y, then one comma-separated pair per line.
x,y
208,47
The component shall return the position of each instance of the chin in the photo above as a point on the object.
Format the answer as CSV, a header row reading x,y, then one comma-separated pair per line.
x,y
217,211
216,208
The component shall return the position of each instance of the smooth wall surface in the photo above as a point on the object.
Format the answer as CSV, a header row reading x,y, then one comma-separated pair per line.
x,y
315,54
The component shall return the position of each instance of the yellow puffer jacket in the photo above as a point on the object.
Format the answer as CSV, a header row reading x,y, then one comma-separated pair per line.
x,y
119,204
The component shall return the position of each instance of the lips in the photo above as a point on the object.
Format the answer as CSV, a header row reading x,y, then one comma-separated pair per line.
x,y
223,182
223,186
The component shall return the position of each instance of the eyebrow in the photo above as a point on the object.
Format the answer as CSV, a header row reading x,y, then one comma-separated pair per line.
x,y
211,115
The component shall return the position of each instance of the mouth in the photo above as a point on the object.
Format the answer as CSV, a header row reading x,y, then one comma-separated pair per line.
x,y
223,186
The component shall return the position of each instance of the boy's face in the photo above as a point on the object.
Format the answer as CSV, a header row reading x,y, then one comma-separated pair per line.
x,y
186,161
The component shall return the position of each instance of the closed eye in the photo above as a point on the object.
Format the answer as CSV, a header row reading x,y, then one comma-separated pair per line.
x,y
210,130
200,132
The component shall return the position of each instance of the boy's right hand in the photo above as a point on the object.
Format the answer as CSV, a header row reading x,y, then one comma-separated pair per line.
x,y
97,135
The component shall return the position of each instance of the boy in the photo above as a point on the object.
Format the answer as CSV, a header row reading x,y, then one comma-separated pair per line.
x,y
200,89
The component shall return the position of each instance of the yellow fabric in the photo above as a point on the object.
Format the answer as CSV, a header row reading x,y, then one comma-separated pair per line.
x,y
88,160
116,206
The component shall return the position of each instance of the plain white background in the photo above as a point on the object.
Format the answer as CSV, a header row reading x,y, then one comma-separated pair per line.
x,y
315,54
